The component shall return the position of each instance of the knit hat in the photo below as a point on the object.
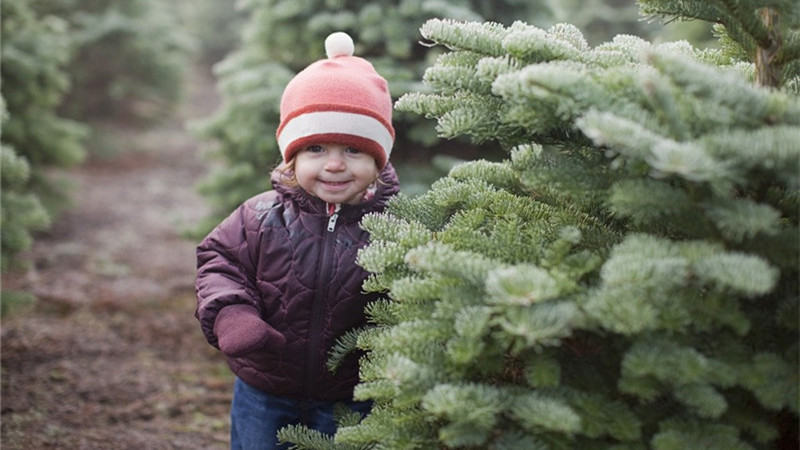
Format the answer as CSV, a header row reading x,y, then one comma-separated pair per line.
x,y
339,100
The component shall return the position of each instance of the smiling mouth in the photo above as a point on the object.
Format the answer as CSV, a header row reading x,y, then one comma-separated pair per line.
x,y
334,184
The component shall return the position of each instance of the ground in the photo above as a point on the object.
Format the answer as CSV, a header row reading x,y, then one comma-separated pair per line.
x,y
110,355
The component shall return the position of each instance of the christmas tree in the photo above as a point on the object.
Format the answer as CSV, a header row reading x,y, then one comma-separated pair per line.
x,y
626,278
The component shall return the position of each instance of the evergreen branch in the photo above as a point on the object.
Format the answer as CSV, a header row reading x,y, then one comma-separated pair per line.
x,y
442,259
481,124
602,416
420,290
620,136
449,400
648,202
678,365
345,417
305,438
537,412
623,49
676,9
382,312
790,49
428,105
746,19
738,219
388,428
739,273
531,44
662,282
483,38
702,398
456,72
394,228
498,175
376,283
772,380
471,326
745,104
381,256
662,99
488,69
418,210
698,435
537,326
521,285
771,150
344,346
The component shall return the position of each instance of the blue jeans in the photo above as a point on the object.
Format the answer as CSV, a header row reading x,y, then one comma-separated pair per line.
x,y
257,416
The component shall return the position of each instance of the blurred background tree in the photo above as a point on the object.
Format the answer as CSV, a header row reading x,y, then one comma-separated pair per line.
x,y
214,27
68,67
35,56
128,57
281,37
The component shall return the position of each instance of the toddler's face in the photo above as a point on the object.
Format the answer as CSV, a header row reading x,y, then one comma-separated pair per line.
x,y
335,173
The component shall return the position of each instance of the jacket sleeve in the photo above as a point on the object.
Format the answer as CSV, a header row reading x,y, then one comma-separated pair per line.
x,y
226,269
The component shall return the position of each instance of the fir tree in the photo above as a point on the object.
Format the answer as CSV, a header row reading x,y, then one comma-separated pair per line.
x,y
627,278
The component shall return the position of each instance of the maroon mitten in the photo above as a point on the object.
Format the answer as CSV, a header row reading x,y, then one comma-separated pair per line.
x,y
240,331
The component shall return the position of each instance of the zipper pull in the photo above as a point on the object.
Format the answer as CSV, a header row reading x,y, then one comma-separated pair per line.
x,y
332,222
333,211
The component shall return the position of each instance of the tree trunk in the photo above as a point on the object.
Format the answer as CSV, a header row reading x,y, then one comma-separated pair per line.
x,y
768,72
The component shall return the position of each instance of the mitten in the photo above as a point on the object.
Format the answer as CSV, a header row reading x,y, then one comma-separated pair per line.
x,y
240,330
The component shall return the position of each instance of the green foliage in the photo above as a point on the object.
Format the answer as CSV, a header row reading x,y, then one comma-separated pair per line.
x,y
34,136
128,57
764,33
626,279
22,210
284,36
213,25
87,60
13,301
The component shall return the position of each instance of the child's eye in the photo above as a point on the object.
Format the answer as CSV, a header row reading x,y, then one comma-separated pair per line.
x,y
352,151
314,148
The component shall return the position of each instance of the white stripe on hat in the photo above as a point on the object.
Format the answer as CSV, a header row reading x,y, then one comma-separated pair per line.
x,y
336,122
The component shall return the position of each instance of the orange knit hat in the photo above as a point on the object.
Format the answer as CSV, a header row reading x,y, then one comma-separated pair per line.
x,y
339,100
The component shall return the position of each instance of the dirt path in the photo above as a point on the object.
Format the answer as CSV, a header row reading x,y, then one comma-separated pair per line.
x,y
110,356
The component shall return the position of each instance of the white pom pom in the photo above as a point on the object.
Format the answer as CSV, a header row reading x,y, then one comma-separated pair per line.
x,y
339,44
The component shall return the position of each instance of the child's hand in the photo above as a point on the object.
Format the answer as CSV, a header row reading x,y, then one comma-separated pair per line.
x,y
240,331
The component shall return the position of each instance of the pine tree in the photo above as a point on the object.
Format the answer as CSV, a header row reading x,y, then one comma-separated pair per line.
x,y
283,36
626,278
35,52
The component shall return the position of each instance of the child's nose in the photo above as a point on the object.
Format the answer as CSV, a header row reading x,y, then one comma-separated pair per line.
x,y
335,161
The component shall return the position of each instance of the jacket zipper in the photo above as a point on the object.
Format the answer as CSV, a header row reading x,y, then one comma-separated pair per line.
x,y
332,222
318,307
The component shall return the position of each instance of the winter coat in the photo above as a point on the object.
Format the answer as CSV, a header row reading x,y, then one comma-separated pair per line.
x,y
282,253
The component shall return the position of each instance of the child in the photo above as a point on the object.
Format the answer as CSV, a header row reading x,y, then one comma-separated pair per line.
x,y
277,282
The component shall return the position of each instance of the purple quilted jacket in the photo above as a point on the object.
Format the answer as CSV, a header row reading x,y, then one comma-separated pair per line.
x,y
281,253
